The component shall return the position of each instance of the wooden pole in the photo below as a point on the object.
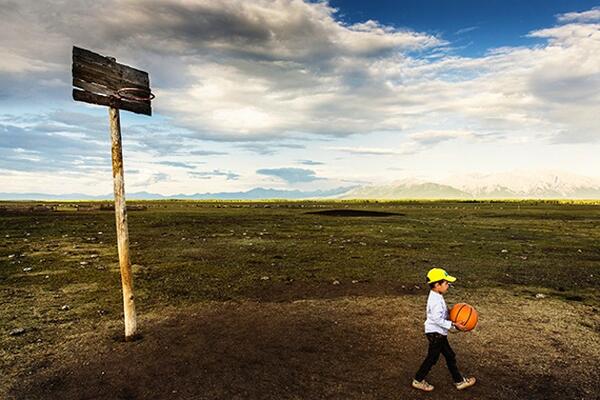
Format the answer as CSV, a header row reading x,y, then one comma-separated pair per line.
x,y
122,230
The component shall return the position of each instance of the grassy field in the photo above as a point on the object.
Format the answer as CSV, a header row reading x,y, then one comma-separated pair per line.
x,y
59,277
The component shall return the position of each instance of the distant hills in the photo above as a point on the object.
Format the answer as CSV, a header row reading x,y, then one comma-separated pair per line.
x,y
510,185
437,191
426,190
253,194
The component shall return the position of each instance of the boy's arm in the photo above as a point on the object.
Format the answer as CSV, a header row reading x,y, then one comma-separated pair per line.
x,y
437,316
459,326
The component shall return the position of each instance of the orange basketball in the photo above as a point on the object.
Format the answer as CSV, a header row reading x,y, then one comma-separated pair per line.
x,y
464,314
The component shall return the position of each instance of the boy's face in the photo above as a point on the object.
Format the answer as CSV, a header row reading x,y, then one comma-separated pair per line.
x,y
441,287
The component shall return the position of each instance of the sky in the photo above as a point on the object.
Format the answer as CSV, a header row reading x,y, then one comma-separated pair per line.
x,y
291,94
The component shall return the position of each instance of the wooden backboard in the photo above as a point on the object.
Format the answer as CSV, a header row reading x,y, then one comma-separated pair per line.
x,y
98,79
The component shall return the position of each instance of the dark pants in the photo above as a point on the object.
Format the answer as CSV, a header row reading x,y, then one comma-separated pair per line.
x,y
438,344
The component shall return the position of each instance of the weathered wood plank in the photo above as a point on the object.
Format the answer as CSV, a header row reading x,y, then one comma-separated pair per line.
x,y
93,88
106,77
110,67
133,106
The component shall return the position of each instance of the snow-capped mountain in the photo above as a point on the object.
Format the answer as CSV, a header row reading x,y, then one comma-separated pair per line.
x,y
527,184
406,190
506,185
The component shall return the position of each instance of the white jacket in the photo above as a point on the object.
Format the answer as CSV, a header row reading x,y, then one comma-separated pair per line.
x,y
437,314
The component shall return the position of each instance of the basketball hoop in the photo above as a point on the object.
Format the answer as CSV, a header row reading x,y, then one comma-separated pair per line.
x,y
102,80
134,94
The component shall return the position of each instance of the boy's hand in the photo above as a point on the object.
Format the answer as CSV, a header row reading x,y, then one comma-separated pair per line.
x,y
460,326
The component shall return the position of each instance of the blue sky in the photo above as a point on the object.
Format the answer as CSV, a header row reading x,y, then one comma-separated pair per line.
x,y
473,26
289,94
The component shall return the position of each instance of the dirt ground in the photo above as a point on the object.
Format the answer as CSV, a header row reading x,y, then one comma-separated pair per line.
x,y
268,300
341,348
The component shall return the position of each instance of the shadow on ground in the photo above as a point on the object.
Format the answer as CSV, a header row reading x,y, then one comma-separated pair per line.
x,y
301,350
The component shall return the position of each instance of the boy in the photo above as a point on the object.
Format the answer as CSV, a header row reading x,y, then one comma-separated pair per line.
x,y
436,330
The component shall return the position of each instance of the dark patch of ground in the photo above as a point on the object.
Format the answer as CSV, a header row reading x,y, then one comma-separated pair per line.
x,y
354,213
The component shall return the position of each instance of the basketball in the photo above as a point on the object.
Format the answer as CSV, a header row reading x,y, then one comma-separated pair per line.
x,y
464,314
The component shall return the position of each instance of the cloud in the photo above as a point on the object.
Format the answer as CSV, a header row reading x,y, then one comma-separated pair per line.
x,y
152,180
210,174
415,142
361,78
31,148
466,30
199,52
268,148
435,137
15,64
356,181
290,175
260,30
586,16
176,164
207,153
310,162
376,151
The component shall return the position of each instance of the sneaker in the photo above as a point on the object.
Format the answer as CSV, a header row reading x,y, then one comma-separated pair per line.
x,y
466,382
423,385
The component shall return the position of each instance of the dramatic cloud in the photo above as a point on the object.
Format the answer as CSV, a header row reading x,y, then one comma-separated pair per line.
x,y
290,175
200,52
240,70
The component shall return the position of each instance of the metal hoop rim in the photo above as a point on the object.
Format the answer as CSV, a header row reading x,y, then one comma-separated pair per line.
x,y
120,94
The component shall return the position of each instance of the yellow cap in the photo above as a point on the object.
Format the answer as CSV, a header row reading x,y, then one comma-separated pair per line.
x,y
438,274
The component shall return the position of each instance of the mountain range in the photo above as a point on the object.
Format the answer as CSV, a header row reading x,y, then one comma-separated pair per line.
x,y
509,185
506,185
253,194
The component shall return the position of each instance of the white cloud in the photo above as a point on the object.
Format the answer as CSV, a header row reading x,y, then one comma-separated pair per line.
x,y
433,137
585,16
376,151
290,174
466,30
229,175
13,63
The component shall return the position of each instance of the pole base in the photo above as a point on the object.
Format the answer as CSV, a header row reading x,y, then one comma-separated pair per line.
x,y
124,339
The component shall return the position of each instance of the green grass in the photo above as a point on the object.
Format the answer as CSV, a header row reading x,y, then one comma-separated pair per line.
x,y
185,251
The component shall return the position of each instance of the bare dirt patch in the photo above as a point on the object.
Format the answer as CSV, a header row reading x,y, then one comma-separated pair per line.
x,y
349,348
